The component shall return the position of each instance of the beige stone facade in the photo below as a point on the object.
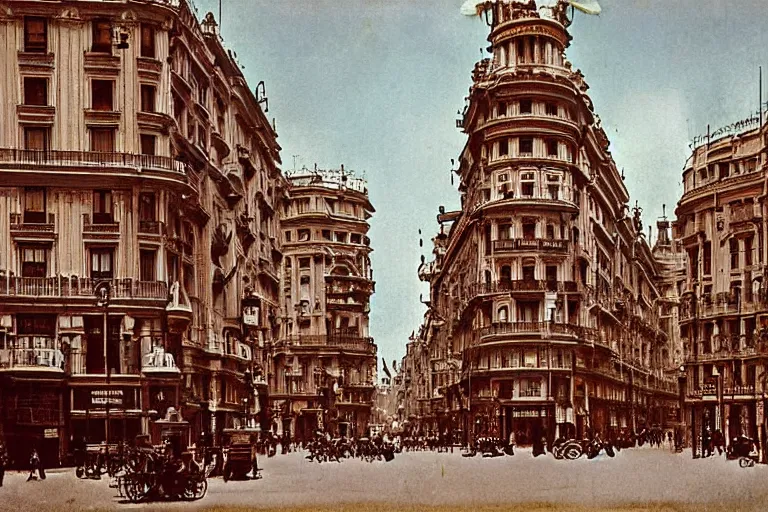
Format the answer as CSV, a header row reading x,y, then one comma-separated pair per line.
x,y
544,308
324,370
134,159
723,311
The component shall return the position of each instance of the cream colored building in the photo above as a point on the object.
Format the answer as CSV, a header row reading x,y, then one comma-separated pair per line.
x,y
134,158
324,371
544,309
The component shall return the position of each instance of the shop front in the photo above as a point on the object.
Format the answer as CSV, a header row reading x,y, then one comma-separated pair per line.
x,y
99,413
529,422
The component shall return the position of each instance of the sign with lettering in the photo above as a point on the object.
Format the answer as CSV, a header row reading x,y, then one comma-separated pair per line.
x,y
101,398
251,315
51,433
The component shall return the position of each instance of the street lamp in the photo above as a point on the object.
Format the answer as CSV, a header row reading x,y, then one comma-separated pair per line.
x,y
102,291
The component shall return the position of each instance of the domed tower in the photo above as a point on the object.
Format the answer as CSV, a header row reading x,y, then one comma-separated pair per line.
x,y
547,281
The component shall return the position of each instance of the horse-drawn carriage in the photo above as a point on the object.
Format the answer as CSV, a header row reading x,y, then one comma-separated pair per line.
x,y
159,474
240,453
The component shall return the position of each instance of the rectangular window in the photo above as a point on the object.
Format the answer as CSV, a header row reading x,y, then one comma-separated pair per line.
x,y
287,236
148,143
147,266
102,207
355,238
526,106
35,91
148,98
102,263
551,109
103,140
734,246
501,109
35,34
504,231
101,94
147,207
526,147
36,138
33,261
34,206
529,275
326,234
552,147
341,237
529,231
303,262
503,147
707,258
102,36
748,251
147,41
304,235
551,271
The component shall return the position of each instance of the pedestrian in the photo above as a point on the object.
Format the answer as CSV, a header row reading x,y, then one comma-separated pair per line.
x,y
36,466
3,462
706,443
511,444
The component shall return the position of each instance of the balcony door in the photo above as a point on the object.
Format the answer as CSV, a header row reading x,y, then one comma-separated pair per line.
x,y
34,206
102,263
34,260
94,330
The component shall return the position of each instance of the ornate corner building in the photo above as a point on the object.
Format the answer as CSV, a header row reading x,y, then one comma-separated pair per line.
x,y
324,370
723,321
139,241
544,310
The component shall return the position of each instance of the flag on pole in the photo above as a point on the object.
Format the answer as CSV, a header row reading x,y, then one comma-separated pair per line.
x,y
586,6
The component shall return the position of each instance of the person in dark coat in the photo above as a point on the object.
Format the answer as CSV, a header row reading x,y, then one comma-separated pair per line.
x,y
3,462
36,466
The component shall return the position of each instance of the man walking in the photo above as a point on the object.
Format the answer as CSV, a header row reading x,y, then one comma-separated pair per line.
x,y
36,466
3,462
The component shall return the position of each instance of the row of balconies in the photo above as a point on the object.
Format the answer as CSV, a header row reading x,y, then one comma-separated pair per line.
x,y
531,245
354,343
525,285
62,286
89,161
74,363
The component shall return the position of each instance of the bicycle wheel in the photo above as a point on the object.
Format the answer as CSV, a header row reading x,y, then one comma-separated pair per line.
x,y
572,451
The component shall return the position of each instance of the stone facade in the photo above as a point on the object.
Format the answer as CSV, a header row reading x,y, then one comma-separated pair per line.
x,y
544,311
139,188
723,308
324,370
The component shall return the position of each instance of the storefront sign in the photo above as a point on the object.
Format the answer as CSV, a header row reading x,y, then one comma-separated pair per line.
x,y
529,412
100,398
51,433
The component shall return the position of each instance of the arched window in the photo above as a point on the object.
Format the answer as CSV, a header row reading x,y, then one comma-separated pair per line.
x,y
503,314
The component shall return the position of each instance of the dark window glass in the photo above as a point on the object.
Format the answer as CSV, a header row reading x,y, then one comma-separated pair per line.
x,y
101,94
34,206
35,34
35,91
147,41
103,140
526,146
33,261
36,138
147,98
102,263
102,207
526,106
102,36
147,260
148,144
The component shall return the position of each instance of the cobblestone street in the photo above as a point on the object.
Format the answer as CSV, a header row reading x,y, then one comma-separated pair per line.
x,y
648,476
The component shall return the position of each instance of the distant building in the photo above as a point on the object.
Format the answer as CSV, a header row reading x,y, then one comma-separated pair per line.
x,y
324,367
544,308
723,311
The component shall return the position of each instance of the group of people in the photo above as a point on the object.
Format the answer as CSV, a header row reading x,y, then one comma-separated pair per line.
x,y
36,467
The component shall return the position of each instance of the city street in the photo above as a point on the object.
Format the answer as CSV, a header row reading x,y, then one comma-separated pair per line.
x,y
645,476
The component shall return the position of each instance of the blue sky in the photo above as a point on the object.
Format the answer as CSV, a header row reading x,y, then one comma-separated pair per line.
x,y
376,84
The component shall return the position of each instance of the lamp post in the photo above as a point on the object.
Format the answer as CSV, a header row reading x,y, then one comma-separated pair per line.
x,y
102,291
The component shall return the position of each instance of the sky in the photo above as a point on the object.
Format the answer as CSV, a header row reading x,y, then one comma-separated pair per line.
x,y
376,85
